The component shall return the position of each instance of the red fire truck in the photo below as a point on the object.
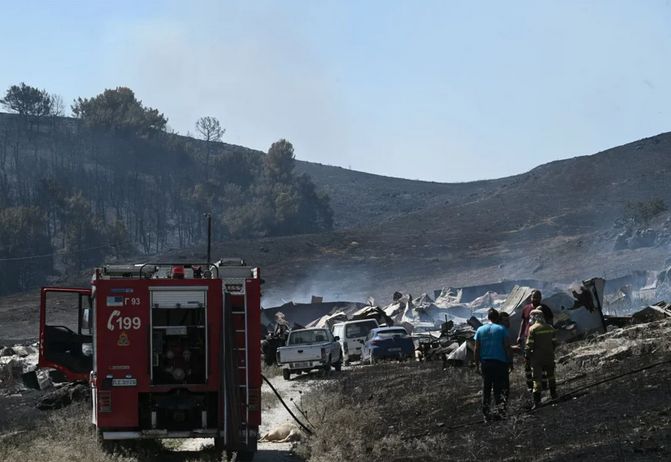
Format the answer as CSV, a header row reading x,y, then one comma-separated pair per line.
x,y
169,350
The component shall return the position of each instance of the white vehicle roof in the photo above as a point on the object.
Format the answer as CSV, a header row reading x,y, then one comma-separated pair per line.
x,y
342,323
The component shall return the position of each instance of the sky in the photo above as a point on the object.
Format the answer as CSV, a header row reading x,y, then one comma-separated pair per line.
x,y
445,91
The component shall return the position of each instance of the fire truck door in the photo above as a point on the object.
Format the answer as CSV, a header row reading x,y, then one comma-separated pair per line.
x,y
65,331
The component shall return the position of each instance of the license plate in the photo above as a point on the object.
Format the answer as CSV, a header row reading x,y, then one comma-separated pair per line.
x,y
395,349
300,364
124,382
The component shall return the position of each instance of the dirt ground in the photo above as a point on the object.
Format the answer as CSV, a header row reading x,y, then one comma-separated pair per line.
x,y
418,411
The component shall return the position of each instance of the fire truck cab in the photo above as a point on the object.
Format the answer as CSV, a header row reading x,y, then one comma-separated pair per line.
x,y
169,350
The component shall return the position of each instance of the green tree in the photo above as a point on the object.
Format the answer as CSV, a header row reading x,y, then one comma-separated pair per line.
x,y
279,162
28,101
119,111
290,204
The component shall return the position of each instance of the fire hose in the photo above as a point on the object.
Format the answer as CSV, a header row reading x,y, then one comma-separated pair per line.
x,y
303,426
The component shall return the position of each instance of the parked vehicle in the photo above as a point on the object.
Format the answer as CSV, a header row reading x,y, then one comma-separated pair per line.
x,y
387,343
352,335
309,349
170,351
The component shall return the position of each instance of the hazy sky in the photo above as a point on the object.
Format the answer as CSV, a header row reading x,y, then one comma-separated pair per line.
x,y
436,90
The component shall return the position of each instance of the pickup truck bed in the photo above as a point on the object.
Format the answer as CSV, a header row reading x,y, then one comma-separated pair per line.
x,y
309,349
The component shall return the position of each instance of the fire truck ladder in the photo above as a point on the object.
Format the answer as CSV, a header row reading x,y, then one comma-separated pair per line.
x,y
236,358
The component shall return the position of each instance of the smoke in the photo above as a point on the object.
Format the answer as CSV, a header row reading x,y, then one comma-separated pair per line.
x,y
333,283
241,64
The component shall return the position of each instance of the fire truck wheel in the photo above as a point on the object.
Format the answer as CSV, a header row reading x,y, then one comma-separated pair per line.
x,y
246,452
286,373
219,444
223,454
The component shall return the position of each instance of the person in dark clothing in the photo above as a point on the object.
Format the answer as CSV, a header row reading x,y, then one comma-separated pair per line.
x,y
492,356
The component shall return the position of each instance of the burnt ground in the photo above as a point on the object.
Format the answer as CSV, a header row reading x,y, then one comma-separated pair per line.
x,y
417,238
418,411
18,409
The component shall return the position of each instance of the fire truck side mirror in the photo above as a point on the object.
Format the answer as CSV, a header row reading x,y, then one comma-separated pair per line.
x,y
86,319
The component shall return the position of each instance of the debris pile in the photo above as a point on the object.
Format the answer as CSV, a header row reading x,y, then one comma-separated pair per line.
x,y
442,327
15,361
638,340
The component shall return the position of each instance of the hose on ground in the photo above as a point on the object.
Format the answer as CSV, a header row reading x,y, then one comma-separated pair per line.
x,y
303,426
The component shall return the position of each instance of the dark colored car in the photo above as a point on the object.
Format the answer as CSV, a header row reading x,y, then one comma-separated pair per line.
x,y
387,343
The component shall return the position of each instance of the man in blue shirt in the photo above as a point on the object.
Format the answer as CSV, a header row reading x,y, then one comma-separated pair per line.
x,y
493,356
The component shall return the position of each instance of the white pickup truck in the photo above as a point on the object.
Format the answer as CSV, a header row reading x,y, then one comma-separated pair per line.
x,y
309,349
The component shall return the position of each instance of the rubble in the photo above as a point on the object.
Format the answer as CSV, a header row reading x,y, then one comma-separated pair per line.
x,y
442,326
619,343
64,395
15,361
7,351
302,314
651,313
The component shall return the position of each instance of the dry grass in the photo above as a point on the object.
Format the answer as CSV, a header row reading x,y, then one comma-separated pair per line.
x,y
345,430
271,371
65,436
418,412
68,436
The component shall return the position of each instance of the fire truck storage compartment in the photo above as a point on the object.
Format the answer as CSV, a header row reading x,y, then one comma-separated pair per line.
x,y
178,409
179,335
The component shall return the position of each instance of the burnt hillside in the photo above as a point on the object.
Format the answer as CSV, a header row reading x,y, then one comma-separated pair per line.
x,y
562,221
74,194
559,221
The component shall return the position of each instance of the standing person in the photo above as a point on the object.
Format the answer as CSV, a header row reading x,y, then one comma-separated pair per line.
x,y
282,327
504,320
535,302
492,353
540,351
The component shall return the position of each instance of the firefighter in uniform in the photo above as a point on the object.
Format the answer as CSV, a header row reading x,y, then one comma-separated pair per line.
x,y
540,352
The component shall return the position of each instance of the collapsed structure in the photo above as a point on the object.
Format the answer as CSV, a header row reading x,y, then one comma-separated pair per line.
x,y
442,325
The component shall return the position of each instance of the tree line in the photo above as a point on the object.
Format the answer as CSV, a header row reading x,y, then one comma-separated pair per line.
x,y
111,182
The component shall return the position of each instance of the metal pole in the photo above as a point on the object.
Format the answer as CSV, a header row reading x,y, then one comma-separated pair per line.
x,y
209,237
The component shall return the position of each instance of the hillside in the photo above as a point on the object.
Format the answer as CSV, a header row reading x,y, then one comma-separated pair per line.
x,y
558,222
362,199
